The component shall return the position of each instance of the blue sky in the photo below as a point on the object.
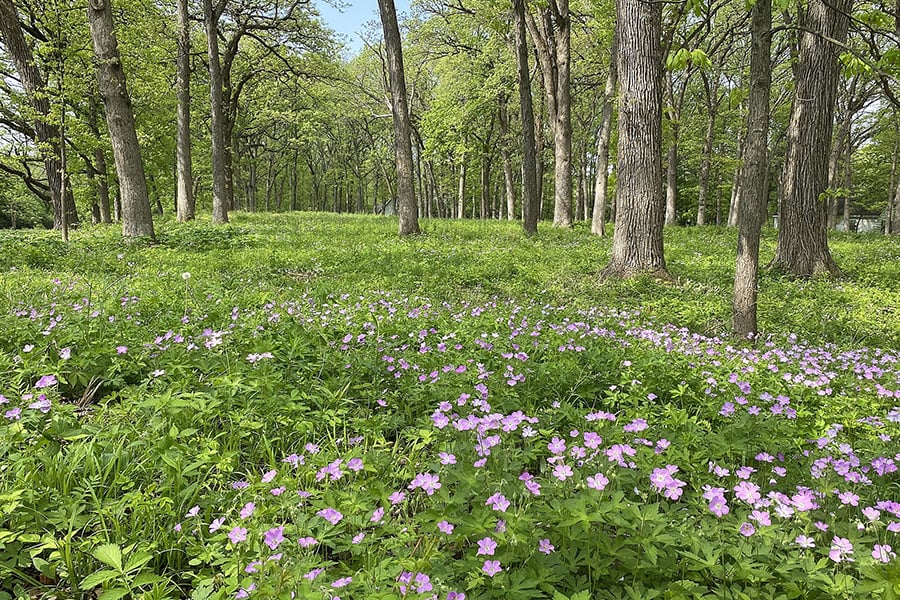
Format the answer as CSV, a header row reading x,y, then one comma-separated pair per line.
x,y
351,20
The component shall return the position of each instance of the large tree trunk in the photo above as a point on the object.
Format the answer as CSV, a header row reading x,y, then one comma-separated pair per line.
x,y
638,238
598,222
137,221
46,132
755,174
530,198
221,200
802,249
184,196
406,193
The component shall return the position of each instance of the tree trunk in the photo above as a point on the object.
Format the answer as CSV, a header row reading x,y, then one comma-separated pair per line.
x,y
734,206
672,178
530,198
848,182
802,249
598,222
221,201
755,175
98,169
842,140
889,212
638,238
137,221
508,181
46,132
461,191
562,131
183,174
706,158
406,194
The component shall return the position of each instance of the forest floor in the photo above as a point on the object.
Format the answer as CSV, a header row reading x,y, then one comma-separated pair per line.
x,y
307,404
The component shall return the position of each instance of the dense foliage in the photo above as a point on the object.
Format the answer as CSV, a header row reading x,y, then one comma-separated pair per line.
x,y
310,406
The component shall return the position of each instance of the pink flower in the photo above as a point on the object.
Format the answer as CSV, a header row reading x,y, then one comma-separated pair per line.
x,y
841,549
597,482
269,476
747,529
562,472
238,534
247,510
491,567
274,537
445,527
883,553
545,546
486,546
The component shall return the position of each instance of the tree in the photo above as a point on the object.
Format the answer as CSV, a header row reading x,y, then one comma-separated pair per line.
x,y
221,198
184,192
530,199
45,131
406,192
137,221
638,237
598,221
802,249
552,39
755,174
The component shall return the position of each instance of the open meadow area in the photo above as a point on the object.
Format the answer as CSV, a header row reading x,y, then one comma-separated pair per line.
x,y
308,406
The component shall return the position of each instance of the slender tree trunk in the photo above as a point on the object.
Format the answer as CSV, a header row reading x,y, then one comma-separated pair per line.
x,y
183,173
755,174
508,180
221,201
137,222
837,151
706,158
579,204
461,191
406,194
802,249
562,131
530,198
98,168
672,178
848,182
888,228
734,205
638,238
598,221
485,184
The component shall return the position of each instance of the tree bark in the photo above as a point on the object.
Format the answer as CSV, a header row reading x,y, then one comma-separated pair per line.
x,y
706,159
406,193
461,189
184,192
46,132
508,180
221,200
137,221
734,205
889,212
598,222
638,237
530,199
755,175
802,249
98,169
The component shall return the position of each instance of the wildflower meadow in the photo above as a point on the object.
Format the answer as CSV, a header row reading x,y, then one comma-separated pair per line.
x,y
307,407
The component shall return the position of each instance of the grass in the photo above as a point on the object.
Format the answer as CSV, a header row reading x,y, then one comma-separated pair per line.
x,y
149,394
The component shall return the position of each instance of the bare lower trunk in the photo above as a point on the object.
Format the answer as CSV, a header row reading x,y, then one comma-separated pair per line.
x,y
221,201
530,192
672,178
98,169
562,131
137,222
461,192
755,175
598,222
889,212
802,249
706,158
638,238
183,173
406,193
848,181
734,205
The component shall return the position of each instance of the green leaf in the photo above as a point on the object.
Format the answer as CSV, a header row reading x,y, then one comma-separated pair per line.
x,y
113,594
110,555
137,561
98,578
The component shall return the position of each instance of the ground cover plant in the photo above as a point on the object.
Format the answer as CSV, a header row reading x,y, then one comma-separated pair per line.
x,y
307,407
